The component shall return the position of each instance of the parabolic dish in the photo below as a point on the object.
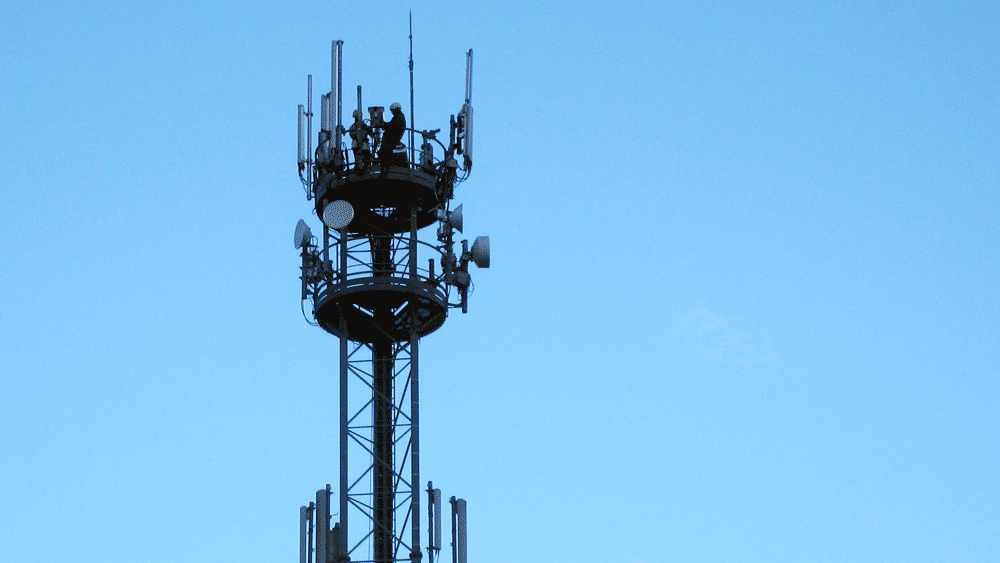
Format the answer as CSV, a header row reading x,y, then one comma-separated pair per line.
x,y
338,214
481,252
302,234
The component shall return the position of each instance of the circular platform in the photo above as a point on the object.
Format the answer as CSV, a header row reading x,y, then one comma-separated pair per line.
x,y
375,308
381,202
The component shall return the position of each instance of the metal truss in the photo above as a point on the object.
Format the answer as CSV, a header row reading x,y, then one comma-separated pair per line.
x,y
361,461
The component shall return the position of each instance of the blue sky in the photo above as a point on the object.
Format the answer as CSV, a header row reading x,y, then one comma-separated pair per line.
x,y
742,306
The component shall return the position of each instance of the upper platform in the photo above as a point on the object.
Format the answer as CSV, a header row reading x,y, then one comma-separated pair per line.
x,y
382,201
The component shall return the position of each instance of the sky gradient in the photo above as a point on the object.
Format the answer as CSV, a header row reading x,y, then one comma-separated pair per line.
x,y
742,305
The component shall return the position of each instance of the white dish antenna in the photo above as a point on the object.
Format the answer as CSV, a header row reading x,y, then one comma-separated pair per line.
x,y
481,252
302,234
338,214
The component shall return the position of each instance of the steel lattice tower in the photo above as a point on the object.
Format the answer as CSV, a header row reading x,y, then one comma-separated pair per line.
x,y
365,282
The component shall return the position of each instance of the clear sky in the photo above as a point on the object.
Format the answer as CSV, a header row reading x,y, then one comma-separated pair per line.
x,y
743,301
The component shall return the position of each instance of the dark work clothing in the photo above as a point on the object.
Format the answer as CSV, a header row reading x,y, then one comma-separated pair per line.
x,y
392,133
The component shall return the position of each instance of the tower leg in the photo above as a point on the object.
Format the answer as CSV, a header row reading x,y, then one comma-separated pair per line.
x,y
344,406
383,486
344,437
414,449
414,401
382,475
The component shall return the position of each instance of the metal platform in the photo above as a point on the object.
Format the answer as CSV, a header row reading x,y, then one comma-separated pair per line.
x,y
373,309
382,202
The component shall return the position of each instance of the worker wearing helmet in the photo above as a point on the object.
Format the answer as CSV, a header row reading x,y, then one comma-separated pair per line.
x,y
392,133
360,132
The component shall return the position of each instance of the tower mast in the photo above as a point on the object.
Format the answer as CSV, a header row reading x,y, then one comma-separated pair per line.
x,y
365,285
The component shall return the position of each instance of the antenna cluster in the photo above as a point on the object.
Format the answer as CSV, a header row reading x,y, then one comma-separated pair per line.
x,y
458,526
374,278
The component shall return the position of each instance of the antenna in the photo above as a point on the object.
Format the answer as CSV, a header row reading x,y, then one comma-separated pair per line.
x,y
458,531
302,234
322,525
305,524
467,109
338,214
309,135
461,531
324,112
460,139
302,141
433,522
336,79
455,218
481,252
413,125
437,520
468,77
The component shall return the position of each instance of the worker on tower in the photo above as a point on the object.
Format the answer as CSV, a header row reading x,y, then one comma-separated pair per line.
x,y
392,133
360,132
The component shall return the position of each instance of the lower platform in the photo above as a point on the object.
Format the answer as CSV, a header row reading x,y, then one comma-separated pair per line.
x,y
377,308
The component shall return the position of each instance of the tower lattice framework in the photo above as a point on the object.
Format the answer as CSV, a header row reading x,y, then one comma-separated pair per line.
x,y
377,282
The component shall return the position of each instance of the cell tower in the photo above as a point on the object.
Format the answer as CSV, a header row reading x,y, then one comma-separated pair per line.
x,y
372,281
